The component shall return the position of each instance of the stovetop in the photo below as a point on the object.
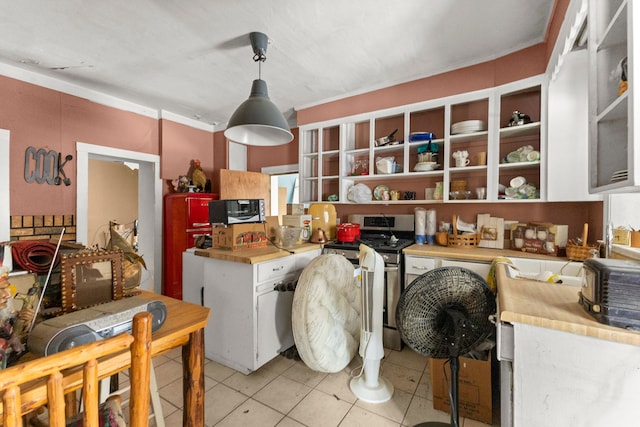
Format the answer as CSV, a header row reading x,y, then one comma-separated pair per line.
x,y
380,244
386,234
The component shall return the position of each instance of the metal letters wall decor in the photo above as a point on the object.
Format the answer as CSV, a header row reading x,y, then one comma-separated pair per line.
x,y
42,166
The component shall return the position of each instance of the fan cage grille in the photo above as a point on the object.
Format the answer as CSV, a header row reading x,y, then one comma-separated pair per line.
x,y
426,305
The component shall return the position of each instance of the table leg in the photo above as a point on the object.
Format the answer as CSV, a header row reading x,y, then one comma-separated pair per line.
x,y
193,380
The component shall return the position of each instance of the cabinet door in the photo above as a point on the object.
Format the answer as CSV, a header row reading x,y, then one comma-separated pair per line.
x,y
481,268
274,325
567,147
612,153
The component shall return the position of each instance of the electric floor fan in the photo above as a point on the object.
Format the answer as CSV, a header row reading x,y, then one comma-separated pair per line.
x,y
445,313
370,386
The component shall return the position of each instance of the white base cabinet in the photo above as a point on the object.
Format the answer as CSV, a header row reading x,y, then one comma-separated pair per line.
x,y
559,380
250,321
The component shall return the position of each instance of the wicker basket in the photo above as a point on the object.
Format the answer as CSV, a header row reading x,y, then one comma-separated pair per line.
x,y
459,185
579,253
463,240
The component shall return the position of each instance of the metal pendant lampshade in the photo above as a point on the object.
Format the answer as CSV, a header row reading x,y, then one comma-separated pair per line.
x,y
257,121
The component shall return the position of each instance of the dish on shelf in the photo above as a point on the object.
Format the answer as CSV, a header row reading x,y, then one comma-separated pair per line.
x,y
378,192
460,195
468,126
425,166
359,193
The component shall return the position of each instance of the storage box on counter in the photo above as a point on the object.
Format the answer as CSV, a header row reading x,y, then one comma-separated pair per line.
x,y
540,238
474,387
239,236
295,209
302,221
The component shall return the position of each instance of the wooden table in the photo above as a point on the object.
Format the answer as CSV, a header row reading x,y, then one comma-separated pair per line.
x,y
184,327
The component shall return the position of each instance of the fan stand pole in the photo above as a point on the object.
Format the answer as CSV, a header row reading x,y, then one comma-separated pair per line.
x,y
455,419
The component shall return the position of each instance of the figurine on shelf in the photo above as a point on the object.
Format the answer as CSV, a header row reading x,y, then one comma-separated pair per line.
x,y
196,176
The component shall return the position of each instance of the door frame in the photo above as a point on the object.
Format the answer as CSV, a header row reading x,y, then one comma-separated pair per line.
x,y
5,211
149,204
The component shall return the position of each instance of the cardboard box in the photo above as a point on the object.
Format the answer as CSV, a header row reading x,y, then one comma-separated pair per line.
x,y
302,221
474,388
295,209
540,238
239,236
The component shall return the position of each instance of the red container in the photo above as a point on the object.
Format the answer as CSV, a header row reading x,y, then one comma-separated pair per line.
x,y
348,232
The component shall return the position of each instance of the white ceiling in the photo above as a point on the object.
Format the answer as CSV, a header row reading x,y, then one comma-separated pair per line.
x,y
193,58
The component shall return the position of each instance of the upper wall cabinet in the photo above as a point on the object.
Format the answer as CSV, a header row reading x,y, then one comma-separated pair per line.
x,y
451,147
613,106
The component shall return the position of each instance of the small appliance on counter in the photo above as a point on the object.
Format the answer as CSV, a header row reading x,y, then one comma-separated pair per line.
x,y
237,211
611,291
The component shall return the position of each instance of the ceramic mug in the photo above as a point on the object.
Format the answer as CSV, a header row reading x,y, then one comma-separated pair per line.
x,y
462,162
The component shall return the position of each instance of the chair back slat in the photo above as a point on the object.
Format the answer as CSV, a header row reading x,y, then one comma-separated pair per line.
x,y
11,402
54,370
55,395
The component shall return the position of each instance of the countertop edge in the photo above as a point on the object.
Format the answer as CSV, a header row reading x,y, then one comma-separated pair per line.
x,y
255,255
561,300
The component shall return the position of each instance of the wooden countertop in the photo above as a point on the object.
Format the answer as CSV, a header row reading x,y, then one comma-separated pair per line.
x,y
255,255
552,306
473,254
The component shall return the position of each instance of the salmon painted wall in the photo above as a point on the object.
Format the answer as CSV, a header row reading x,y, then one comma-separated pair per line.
x,y
179,144
48,119
43,118
287,154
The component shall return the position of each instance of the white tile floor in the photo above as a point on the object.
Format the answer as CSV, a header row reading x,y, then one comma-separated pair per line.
x,y
287,393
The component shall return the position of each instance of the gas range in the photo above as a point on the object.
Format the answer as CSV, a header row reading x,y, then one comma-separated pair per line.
x,y
386,234
391,253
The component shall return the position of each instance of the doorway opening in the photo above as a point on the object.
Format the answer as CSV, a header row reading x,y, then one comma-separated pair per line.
x,y
149,205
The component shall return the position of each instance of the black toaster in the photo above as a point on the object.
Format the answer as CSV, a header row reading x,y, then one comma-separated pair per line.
x,y
611,291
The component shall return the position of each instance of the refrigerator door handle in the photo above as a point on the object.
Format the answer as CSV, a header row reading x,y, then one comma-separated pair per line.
x,y
200,224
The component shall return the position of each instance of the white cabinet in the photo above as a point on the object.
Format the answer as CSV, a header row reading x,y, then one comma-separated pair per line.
x,y
482,268
613,112
568,158
416,265
557,378
250,321
337,154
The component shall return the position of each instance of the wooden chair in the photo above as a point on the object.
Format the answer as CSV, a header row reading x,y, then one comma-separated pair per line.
x,y
23,386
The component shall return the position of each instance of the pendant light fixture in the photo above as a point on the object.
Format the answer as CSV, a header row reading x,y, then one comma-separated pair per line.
x,y
257,121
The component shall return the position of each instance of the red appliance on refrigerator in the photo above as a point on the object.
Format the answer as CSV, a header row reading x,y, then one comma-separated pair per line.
x,y
186,217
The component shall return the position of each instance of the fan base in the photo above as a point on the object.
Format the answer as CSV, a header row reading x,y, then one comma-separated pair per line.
x,y
378,394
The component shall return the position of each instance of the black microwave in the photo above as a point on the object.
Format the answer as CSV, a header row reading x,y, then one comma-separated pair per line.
x,y
237,211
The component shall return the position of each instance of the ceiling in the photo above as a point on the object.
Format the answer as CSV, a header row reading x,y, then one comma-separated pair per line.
x,y
194,58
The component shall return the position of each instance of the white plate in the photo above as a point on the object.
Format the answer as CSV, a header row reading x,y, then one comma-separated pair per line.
x,y
468,126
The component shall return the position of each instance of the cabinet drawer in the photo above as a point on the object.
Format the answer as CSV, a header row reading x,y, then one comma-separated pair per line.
x,y
418,265
276,268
